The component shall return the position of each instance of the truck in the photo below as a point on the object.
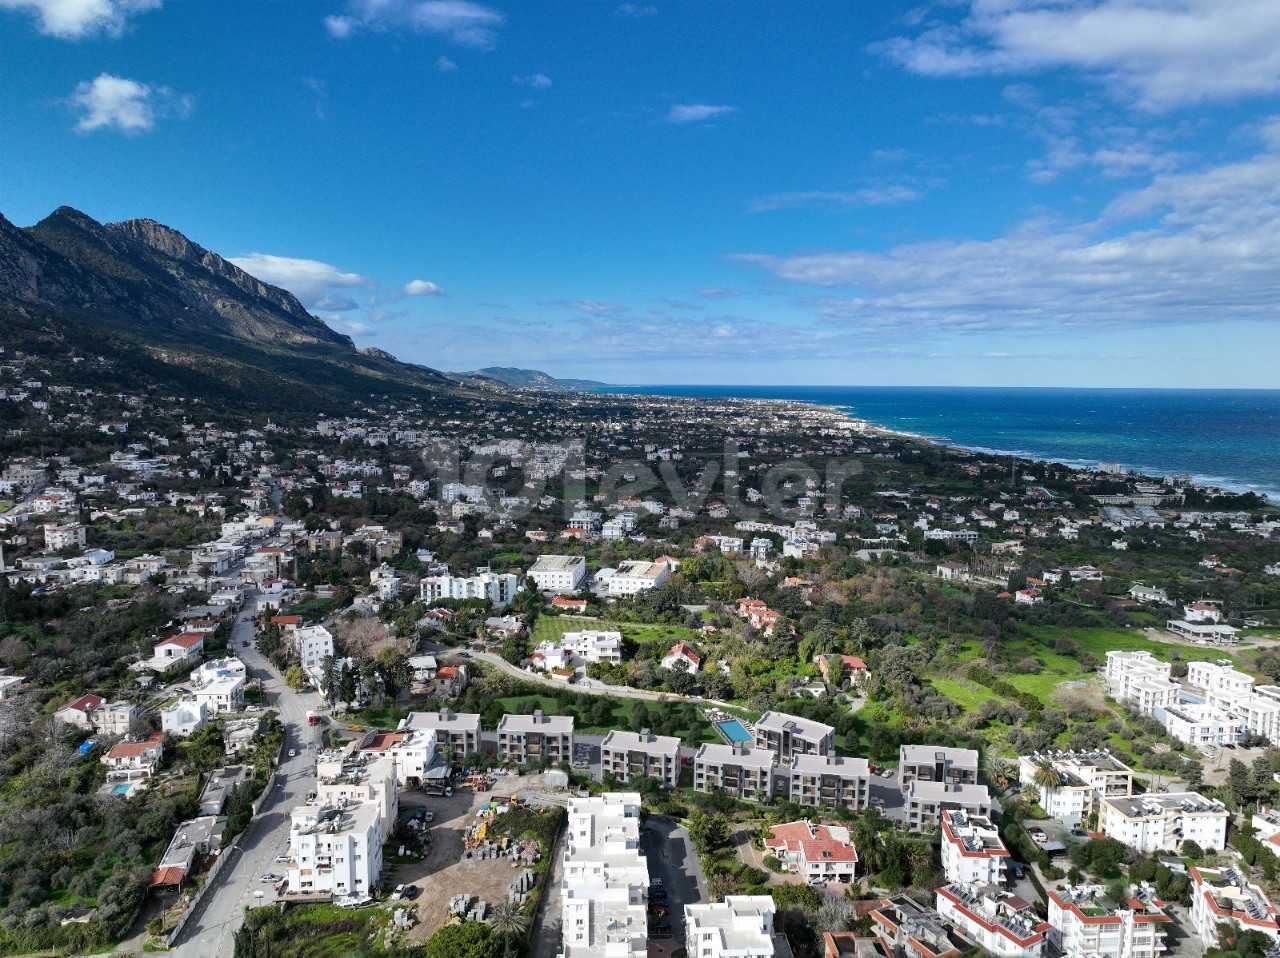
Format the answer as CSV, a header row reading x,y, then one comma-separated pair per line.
x,y
312,718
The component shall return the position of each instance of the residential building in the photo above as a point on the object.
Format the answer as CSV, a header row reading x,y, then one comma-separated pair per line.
x,y
198,837
815,852
356,776
605,879
909,930
1201,725
114,719
1140,680
936,763
635,576
1085,923
1162,822
460,733
313,645
413,751
534,739
627,756
927,801
741,926
559,574
736,770
576,648
336,848
1001,922
131,761
787,735
497,588
183,717
681,656
830,781
79,713
1226,896
177,651
1083,779
972,851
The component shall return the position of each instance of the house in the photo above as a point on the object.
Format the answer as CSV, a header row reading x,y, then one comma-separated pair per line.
x,y
424,668
627,756
682,657
458,732
451,681
132,761
787,735
183,717
79,713
1202,612
1028,597
536,738
852,667
192,840
578,606
741,926
734,770
815,852
114,719
952,571
972,851
906,929
1162,822
1001,922
177,651
1085,923
575,648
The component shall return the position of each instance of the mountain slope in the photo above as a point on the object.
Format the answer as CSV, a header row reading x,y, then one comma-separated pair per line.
x,y
183,317
532,379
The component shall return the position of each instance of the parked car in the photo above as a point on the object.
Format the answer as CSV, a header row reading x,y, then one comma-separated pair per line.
x,y
281,859
398,893
412,892
271,878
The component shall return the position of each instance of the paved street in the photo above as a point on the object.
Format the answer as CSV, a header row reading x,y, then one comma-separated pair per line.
x,y
673,861
211,930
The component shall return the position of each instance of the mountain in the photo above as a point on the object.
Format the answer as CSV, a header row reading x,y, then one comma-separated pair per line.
x,y
177,314
533,379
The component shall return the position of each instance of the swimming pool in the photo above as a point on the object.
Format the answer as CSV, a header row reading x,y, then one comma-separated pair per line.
x,y
735,732
122,789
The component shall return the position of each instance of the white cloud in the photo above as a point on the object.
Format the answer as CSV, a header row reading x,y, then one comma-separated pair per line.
x,y
539,81
636,10
591,307
308,279
74,19
870,196
1195,247
114,103
1158,54
460,21
420,287
335,302
445,65
696,112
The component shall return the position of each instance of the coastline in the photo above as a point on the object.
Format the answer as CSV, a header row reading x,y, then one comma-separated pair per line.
x,y
1208,481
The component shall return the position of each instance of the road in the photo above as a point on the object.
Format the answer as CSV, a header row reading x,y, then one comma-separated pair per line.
x,y
211,929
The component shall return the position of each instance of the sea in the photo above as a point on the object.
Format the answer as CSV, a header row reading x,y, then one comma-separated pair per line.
x,y
1224,437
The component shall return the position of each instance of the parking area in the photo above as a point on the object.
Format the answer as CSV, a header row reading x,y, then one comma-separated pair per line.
x,y
676,876
447,870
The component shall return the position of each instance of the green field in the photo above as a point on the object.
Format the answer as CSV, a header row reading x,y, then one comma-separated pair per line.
x,y
968,695
549,628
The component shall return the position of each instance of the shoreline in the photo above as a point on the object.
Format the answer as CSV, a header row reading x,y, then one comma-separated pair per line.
x,y
1221,484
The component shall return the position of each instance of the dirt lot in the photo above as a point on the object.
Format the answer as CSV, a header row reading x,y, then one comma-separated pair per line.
x,y
445,872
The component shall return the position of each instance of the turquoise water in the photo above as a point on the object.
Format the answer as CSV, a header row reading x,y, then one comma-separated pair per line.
x,y
121,789
735,732
1227,437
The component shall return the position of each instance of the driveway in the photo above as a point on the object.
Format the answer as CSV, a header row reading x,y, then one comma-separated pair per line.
x,y
673,861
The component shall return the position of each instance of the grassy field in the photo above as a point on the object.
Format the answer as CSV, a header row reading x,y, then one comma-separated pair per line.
x,y
968,695
549,629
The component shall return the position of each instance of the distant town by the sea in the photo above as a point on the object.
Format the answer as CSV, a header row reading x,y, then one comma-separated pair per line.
x,y
1225,437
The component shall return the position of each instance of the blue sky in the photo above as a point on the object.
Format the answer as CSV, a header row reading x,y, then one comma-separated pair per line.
x,y
1003,192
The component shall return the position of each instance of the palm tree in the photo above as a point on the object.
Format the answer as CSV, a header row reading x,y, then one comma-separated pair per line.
x,y
509,923
1046,776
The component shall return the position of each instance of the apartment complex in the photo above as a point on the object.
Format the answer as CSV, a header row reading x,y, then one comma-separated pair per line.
x,y
1152,823
1083,779
498,588
636,576
1000,922
1084,923
605,879
972,851
561,575
531,739
628,756
736,770
927,801
830,781
788,735
1140,680
741,926
458,732
936,763
1226,896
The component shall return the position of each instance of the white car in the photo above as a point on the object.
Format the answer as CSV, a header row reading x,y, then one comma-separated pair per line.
x,y
281,859
293,753
270,878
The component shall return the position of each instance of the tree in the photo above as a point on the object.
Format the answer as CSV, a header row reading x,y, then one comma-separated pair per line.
x,y
509,923
294,677
471,939
394,671
1045,776
709,832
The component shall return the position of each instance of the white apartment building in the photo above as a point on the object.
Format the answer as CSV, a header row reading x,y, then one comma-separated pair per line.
x,y
635,576
344,778
561,575
735,770
1141,680
459,732
413,751
531,739
1225,896
1084,923
936,763
66,536
497,588
219,685
336,848
741,926
1084,779
313,645
829,781
972,851
1201,725
999,921
1233,692
1152,823
605,879
579,647
627,756
787,735
926,802
183,717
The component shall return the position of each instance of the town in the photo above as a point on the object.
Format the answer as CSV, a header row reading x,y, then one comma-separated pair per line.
x,y
618,676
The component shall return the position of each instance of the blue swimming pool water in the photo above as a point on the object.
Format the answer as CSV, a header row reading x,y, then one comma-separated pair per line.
x,y
735,732
121,789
